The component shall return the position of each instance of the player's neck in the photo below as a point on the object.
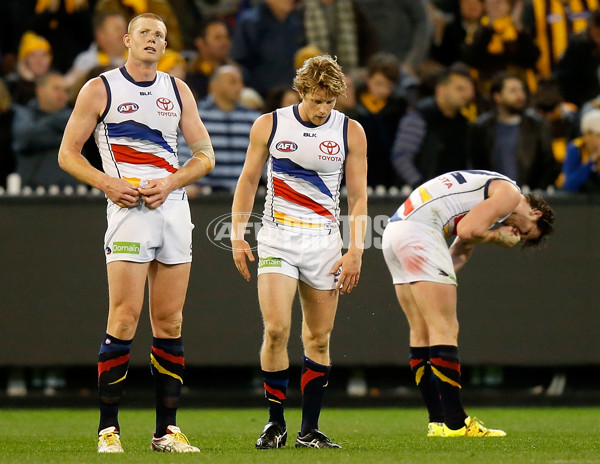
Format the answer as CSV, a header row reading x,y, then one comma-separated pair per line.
x,y
141,71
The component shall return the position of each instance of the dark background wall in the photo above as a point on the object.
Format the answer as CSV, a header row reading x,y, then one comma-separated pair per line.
x,y
515,308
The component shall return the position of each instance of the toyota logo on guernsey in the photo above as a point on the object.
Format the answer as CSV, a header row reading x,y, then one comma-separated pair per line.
x,y
286,146
164,104
127,108
329,147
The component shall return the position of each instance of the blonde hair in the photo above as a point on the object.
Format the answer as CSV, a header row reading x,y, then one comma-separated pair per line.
x,y
590,122
320,73
305,53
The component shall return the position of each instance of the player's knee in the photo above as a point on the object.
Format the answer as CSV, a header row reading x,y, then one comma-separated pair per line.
x,y
318,341
123,325
276,336
168,326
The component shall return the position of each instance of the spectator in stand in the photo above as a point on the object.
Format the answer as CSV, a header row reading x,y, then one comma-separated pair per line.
x,y
213,45
500,44
562,116
229,124
432,138
173,63
339,28
132,8
280,97
378,110
306,52
577,70
189,14
66,25
551,22
7,158
108,48
265,40
512,139
37,133
35,59
402,28
13,21
581,168
449,38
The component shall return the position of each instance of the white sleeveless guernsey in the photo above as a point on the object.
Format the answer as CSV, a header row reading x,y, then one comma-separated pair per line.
x,y
442,202
305,169
137,134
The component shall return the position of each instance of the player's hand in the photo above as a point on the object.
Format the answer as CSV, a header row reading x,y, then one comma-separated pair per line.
x,y
350,265
121,192
155,192
508,236
241,250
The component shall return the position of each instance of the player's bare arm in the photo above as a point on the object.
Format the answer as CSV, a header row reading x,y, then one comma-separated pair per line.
x,y
202,162
91,103
243,199
356,184
461,251
475,226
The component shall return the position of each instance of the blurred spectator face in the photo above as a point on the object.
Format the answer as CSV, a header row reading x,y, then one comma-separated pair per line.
x,y
38,62
512,97
457,92
290,97
281,7
497,8
216,43
347,100
51,93
591,141
380,86
228,85
110,35
471,10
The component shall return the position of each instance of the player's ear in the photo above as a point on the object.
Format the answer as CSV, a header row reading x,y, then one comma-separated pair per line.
x,y
536,213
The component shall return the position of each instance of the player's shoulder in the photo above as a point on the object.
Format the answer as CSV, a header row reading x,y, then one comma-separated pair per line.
x,y
94,88
264,121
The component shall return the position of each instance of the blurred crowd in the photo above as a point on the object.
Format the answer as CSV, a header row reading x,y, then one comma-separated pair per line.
x,y
506,85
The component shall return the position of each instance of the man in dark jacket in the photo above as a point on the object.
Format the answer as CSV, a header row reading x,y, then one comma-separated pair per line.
x,y
432,139
513,139
37,132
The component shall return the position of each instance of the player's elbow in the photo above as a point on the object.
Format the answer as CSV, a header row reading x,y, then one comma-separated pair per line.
x,y
63,160
470,233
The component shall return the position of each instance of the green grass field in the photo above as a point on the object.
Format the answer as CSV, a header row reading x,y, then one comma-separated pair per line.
x,y
535,435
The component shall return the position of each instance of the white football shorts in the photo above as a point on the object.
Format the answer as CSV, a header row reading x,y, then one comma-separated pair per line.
x,y
303,256
416,252
142,234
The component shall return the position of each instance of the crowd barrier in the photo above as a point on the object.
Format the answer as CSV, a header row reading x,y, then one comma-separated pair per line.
x,y
515,307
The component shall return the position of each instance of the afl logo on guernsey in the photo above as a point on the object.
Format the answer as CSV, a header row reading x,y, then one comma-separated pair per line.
x,y
329,147
127,108
286,147
164,104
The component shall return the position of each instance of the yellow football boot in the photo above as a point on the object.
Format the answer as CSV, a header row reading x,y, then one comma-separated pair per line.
x,y
435,429
473,428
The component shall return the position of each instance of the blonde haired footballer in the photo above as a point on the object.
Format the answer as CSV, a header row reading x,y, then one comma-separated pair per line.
x,y
307,148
